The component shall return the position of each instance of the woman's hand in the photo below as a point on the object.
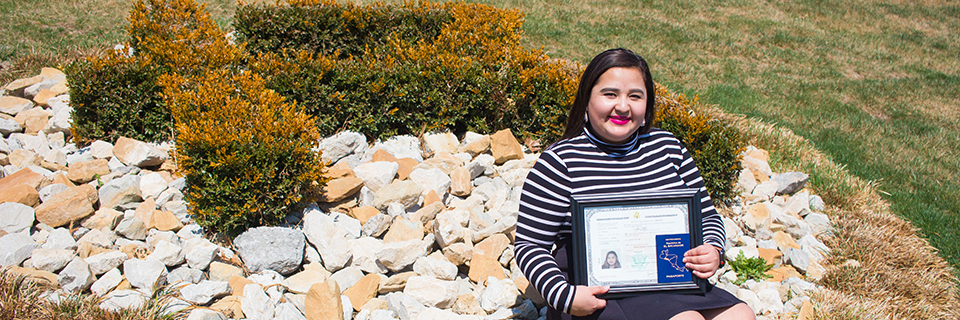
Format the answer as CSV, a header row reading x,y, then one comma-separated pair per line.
x,y
703,260
585,301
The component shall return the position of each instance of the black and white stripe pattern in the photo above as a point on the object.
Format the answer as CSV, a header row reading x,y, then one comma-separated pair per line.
x,y
586,165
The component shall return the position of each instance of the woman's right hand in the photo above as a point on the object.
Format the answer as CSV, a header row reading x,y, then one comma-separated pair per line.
x,y
585,301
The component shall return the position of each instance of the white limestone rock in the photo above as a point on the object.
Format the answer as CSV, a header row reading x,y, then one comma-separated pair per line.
x,y
404,306
152,184
437,268
255,303
123,299
499,294
60,238
440,141
107,282
432,292
398,255
200,252
144,274
16,217
170,254
287,310
347,277
76,276
375,175
206,314
431,179
105,261
205,291
14,248
184,275
341,145
51,260
137,153
120,191
364,251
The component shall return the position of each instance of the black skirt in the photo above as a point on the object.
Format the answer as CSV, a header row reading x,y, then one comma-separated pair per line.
x,y
646,306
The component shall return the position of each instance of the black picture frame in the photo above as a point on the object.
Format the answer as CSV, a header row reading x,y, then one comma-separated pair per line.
x,y
602,222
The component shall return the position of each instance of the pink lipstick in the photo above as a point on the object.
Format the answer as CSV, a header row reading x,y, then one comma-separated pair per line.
x,y
619,120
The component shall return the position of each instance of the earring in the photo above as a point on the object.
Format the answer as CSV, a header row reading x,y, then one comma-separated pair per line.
x,y
585,118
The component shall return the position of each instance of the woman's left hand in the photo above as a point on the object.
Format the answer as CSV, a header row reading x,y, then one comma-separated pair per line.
x,y
703,260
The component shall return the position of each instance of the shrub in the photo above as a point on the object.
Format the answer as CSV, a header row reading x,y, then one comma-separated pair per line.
x,y
115,96
715,145
248,156
473,75
331,28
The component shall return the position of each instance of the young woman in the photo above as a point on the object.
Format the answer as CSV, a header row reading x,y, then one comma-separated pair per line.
x,y
610,146
612,261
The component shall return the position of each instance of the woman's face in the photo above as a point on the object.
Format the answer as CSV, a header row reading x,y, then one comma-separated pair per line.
x,y
611,259
617,104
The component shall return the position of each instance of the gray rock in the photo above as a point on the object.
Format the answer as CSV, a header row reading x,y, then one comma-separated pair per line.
x,y
144,274
60,238
99,238
432,292
818,221
376,174
178,184
107,282
76,276
155,236
8,126
184,274
14,248
168,195
376,225
205,291
52,260
123,299
33,90
790,182
341,145
132,228
347,307
16,217
347,277
170,254
271,248
350,225
119,191
797,258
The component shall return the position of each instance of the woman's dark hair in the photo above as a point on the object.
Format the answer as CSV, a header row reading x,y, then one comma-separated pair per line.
x,y
613,58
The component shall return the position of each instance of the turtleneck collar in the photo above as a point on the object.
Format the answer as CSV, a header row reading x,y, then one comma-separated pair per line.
x,y
614,150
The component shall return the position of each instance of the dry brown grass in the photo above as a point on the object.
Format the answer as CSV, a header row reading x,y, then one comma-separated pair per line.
x,y
880,268
21,298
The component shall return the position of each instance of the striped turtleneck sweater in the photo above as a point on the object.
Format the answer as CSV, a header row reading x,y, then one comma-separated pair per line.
x,y
587,165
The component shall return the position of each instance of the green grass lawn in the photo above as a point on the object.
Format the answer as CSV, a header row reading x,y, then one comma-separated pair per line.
x,y
873,84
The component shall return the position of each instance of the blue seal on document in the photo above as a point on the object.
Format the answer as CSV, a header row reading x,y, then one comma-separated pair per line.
x,y
670,250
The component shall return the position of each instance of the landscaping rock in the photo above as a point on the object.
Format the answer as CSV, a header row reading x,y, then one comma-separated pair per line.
x,y
14,248
204,292
76,276
144,274
432,292
137,153
271,248
16,217
68,206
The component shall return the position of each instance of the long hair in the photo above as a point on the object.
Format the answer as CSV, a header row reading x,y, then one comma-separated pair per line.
x,y
613,58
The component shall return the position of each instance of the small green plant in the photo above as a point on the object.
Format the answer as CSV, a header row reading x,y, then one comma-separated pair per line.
x,y
750,268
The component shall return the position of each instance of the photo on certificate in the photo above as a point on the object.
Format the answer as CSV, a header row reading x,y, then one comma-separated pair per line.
x,y
634,242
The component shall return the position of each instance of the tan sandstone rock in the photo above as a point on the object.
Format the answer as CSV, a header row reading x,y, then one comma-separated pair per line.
x,y
505,147
65,207
403,230
362,291
339,189
323,302
460,184
85,171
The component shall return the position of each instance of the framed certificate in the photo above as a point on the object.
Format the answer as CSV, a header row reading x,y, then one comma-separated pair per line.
x,y
634,242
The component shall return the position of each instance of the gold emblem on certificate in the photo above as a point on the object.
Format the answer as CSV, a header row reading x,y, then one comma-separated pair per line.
x,y
634,242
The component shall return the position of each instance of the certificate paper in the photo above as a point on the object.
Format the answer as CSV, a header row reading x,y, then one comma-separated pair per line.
x,y
636,242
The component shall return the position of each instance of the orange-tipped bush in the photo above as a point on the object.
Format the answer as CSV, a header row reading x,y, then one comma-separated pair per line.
x,y
715,145
247,155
